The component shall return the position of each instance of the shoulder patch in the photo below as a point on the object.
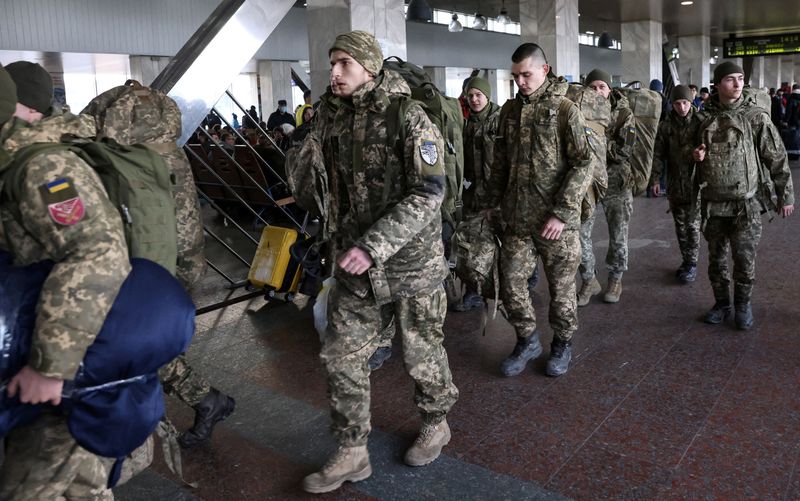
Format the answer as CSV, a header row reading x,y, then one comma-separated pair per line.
x,y
429,152
64,205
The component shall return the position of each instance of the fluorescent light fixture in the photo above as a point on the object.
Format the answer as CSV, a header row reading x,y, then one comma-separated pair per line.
x,y
590,32
687,2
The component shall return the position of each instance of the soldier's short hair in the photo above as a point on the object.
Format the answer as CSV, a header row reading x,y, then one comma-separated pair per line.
x,y
527,50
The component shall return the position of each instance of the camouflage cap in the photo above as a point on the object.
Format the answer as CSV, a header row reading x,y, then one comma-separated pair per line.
x,y
481,84
363,47
598,74
681,92
34,85
8,96
724,69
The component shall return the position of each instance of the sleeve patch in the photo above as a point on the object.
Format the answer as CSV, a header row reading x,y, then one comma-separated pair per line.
x,y
64,205
429,152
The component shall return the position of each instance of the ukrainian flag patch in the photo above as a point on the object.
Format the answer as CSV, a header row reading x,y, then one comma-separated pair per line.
x,y
58,185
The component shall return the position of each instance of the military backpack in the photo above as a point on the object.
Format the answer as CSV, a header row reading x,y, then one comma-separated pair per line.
x,y
445,113
646,106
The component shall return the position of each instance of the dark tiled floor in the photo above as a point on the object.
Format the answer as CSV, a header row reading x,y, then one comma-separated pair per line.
x,y
656,405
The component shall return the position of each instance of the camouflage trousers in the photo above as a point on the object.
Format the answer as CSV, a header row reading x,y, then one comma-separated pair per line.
x,y
353,331
741,234
586,268
180,380
43,461
687,229
618,208
560,258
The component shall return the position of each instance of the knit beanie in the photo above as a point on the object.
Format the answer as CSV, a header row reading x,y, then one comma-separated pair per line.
x,y
724,69
363,47
481,84
8,96
598,74
34,85
681,92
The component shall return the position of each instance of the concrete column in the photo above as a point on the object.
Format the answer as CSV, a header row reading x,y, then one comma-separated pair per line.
x,y
146,68
772,71
756,76
693,66
276,84
438,75
328,18
491,77
642,51
553,24
788,71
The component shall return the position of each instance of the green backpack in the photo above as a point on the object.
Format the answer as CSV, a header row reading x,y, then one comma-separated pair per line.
x,y
138,183
445,113
646,106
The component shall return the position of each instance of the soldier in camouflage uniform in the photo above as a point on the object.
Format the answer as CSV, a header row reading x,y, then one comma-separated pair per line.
x,y
541,171
618,200
380,201
64,216
479,132
742,168
132,114
674,145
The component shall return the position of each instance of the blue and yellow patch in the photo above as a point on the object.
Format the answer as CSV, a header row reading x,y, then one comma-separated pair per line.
x,y
58,185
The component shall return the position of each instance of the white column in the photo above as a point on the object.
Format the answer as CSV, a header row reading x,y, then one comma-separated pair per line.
x,y
641,51
788,71
693,65
553,25
491,77
757,73
275,78
328,18
438,75
145,69
772,71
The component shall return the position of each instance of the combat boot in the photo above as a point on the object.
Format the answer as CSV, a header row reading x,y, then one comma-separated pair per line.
x,y
380,356
472,301
560,357
214,408
527,349
688,273
428,445
348,464
718,313
744,316
589,288
614,290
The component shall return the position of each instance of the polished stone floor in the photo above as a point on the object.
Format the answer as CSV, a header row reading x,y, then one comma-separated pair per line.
x,y
657,405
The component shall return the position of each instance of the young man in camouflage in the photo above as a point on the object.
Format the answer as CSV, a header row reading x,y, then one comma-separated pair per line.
x,y
380,199
540,174
675,141
77,228
479,132
742,169
618,200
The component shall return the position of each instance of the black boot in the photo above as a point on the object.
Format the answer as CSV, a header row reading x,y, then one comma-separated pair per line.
x,y
688,273
214,408
718,313
527,349
744,316
560,356
381,355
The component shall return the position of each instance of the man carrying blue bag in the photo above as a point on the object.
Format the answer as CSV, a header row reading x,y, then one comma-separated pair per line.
x,y
63,216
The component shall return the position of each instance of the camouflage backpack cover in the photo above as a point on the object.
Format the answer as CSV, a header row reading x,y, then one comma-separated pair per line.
x,y
646,106
132,114
596,112
445,113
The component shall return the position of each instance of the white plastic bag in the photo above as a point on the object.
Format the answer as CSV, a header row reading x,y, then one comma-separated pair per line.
x,y
321,307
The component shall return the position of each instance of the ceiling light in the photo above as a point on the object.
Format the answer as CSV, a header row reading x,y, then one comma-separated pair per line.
x,y
455,25
419,10
687,2
590,32
480,22
605,40
503,17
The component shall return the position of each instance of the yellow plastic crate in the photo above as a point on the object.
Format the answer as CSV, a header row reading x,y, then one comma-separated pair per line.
x,y
272,257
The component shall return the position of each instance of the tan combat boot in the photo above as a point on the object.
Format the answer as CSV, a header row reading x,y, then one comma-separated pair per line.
x,y
588,289
348,464
428,444
614,290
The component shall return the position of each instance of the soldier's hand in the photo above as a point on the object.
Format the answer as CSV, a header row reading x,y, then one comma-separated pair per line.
x,y
552,229
35,388
699,153
656,189
355,261
787,210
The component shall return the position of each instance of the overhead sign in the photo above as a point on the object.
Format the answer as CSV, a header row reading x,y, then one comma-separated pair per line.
x,y
771,45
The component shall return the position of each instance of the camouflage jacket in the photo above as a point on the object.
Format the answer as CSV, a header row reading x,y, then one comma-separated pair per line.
x,y
383,200
479,132
764,143
90,254
620,143
539,171
674,144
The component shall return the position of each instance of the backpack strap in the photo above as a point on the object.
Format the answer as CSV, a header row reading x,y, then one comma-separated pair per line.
x,y
563,113
395,138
